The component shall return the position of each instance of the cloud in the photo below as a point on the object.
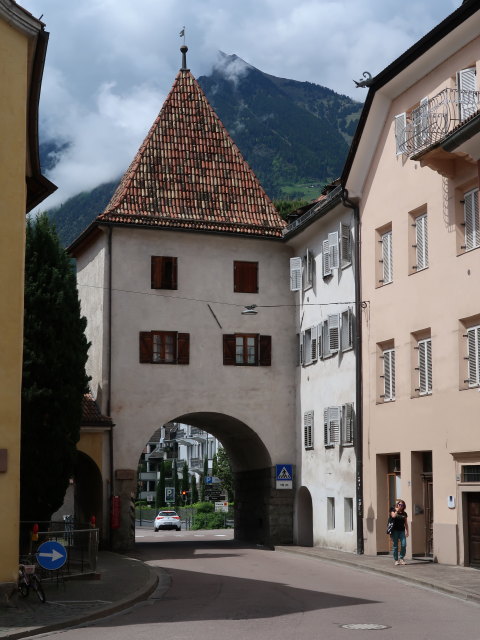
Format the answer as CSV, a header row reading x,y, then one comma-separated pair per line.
x,y
110,63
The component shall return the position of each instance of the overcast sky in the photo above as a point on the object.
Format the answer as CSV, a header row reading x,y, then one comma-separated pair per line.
x,y
111,63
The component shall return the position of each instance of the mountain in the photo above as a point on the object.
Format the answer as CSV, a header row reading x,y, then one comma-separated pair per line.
x,y
295,136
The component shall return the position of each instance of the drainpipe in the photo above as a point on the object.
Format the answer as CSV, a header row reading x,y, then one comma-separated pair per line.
x,y
109,373
358,440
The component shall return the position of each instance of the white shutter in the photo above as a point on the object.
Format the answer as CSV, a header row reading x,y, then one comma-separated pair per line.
x,y
473,336
389,374
472,220
326,430
346,340
301,338
345,245
421,232
334,419
401,132
347,423
333,249
387,257
333,333
467,100
325,340
420,123
314,343
295,274
425,366
327,271
308,429
307,347
309,268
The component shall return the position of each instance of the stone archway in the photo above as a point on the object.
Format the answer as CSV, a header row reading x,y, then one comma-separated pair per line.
x,y
88,500
304,518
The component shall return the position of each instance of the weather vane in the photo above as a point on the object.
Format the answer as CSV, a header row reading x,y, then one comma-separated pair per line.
x,y
182,34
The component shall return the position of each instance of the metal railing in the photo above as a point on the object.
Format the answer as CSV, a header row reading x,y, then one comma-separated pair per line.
x,y
436,117
311,212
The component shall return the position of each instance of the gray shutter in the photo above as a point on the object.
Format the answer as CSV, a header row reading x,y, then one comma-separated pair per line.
x,y
334,333
347,423
467,84
295,274
421,232
325,340
345,245
472,221
473,335
326,269
301,340
307,347
308,429
389,374
334,419
346,339
333,249
420,123
401,132
326,429
309,268
314,343
387,257
425,366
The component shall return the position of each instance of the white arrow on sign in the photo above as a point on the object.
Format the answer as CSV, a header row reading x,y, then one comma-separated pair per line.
x,y
54,555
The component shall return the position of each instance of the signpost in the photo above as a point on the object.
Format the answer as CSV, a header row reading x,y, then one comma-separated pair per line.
x,y
51,555
284,475
169,494
221,506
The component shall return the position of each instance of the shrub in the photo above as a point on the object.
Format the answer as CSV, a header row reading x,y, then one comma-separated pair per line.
x,y
208,521
204,507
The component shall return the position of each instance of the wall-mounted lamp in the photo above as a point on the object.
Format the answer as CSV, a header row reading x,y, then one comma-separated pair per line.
x,y
250,310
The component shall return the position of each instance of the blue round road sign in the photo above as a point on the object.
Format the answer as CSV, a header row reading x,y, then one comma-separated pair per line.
x,y
51,555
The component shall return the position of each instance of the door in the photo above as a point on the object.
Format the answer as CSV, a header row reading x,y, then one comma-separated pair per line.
x,y
473,523
394,493
428,502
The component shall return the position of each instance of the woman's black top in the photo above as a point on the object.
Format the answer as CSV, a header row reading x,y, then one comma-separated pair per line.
x,y
399,520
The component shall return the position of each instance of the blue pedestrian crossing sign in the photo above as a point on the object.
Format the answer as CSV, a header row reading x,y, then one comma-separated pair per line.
x,y
284,476
51,555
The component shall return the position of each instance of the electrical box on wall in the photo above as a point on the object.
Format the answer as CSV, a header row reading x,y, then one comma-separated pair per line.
x,y
451,502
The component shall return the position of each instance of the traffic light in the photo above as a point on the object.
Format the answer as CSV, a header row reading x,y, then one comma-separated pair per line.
x,y
184,493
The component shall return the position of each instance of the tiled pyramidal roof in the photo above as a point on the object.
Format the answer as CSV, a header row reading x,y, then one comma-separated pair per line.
x,y
189,174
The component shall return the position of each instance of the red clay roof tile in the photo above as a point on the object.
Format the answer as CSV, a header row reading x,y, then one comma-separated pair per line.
x,y
189,174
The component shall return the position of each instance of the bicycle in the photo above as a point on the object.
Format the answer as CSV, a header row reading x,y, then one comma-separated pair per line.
x,y
27,579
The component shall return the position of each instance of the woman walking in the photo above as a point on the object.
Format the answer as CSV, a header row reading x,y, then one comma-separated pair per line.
x,y
399,533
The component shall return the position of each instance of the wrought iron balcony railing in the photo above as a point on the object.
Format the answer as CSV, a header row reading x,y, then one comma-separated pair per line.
x,y
434,119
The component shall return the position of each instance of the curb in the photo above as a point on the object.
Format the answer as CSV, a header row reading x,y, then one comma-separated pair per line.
x,y
140,594
474,598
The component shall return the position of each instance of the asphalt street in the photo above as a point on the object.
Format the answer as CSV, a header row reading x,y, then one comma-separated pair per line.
x,y
217,589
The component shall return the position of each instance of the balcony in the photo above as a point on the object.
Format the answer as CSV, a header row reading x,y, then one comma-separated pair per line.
x,y
434,119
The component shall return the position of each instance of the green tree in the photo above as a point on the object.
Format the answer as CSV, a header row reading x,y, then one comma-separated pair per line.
x,y
176,484
194,490
185,484
54,378
225,473
214,465
160,490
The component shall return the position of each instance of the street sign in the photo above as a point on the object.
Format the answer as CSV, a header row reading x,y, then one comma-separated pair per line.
x,y
221,506
51,555
169,494
212,480
284,475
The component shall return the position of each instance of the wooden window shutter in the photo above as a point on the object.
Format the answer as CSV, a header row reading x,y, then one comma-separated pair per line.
x,y
146,346
347,423
325,340
472,220
326,429
309,268
164,272
387,257
345,245
334,419
308,429
314,343
467,99
334,333
245,277
333,250
421,231
401,132
420,123
389,374
327,271
229,349
183,348
301,338
265,348
346,338
425,366
473,335
295,274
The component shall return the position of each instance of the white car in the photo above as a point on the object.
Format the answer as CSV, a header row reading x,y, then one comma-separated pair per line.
x,y
167,520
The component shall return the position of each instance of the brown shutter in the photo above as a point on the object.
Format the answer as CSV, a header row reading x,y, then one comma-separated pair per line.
x,y
265,357
174,273
157,270
183,348
229,349
146,346
245,277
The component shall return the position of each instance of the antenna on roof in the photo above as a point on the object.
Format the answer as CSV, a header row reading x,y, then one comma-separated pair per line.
x,y
184,50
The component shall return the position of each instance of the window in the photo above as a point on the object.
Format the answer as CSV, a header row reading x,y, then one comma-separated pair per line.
x,y
401,133
164,272
164,347
421,243
345,245
467,94
424,367
309,261
348,514
419,116
295,274
310,346
471,473
245,277
387,262
388,375
330,256
473,345
330,513
347,424
472,222
331,426
247,349
308,430
346,337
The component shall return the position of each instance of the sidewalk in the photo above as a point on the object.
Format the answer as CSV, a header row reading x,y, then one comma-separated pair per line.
x,y
459,582
121,582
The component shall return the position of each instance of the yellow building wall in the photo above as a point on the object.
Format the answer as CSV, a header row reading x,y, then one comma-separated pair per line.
x,y
92,445
13,105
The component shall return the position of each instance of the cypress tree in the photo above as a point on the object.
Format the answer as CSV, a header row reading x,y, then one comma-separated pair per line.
x,y
54,378
160,492
194,490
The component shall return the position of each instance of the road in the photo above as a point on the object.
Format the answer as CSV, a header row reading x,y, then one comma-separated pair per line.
x,y
223,591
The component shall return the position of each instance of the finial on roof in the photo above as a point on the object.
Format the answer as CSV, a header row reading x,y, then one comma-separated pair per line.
x,y
364,83
184,50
